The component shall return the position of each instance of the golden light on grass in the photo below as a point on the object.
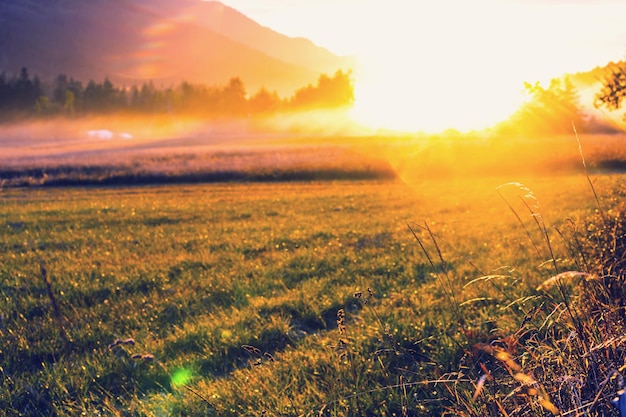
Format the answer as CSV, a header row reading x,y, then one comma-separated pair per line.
x,y
563,278
533,387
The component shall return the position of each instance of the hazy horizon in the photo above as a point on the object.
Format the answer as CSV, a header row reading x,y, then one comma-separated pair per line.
x,y
451,64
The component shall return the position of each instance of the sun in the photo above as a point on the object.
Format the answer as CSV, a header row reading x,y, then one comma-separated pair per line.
x,y
410,98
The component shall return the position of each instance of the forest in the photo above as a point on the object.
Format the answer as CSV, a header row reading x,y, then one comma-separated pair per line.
x,y
548,109
26,95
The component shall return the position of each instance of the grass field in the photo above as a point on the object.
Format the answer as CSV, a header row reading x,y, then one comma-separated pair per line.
x,y
333,298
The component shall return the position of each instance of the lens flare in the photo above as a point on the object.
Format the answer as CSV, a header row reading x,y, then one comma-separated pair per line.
x,y
181,377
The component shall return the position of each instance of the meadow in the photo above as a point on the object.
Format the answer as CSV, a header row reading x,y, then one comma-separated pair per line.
x,y
339,295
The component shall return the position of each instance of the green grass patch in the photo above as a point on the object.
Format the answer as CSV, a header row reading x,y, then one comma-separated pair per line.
x,y
311,298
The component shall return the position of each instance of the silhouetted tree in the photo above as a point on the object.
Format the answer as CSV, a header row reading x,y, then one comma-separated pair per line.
x,y
70,100
20,93
103,97
614,87
67,94
4,91
24,88
108,98
549,110
328,93
196,99
42,105
145,98
233,98
264,102
60,87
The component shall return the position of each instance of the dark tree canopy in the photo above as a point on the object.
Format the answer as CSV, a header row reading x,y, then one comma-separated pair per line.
x,y
613,89
26,95
19,93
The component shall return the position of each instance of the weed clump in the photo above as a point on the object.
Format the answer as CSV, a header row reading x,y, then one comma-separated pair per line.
x,y
564,355
568,355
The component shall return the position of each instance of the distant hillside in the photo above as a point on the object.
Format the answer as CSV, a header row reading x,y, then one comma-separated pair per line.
x,y
297,51
132,41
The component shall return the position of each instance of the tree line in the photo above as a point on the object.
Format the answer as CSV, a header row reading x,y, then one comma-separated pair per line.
x,y
554,108
26,95
550,109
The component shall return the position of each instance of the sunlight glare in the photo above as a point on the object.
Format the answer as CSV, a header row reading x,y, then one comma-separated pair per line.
x,y
408,96
432,66
438,68
422,104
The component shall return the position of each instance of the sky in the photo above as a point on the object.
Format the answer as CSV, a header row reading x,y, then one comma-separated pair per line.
x,y
451,63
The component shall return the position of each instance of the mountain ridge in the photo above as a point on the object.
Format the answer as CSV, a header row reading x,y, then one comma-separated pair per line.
x,y
136,41
266,38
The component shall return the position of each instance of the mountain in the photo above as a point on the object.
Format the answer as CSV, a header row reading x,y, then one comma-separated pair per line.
x,y
164,41
299,51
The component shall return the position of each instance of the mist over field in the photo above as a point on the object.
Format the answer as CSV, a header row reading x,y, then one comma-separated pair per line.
x,y
312,145
118,150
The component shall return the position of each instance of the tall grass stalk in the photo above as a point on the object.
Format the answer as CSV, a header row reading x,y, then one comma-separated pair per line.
x,y
588,360
56,311
442,267
582,158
